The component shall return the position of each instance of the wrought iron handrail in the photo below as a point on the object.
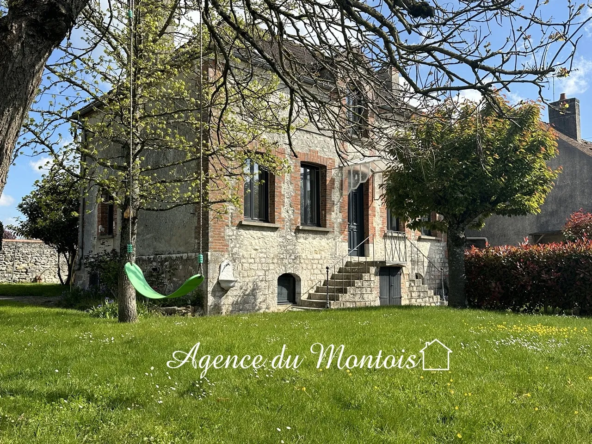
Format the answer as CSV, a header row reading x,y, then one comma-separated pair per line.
x,y
339,261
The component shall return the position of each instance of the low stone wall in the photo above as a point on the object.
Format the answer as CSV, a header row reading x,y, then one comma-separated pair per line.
x,y
23,260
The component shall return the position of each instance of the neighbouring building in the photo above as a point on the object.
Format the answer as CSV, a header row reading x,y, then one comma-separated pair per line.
x,y
276,249
572,190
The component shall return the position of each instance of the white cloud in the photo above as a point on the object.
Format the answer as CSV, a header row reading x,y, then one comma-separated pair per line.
x,y
6,200
41,165
10,221
577,82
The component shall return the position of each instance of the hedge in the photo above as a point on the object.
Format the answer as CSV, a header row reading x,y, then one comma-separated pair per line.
x,y
531,277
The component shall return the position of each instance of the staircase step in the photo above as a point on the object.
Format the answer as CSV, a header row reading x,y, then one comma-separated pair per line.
x,y
313,303
319,296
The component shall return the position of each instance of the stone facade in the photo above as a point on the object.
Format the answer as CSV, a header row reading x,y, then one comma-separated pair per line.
x,y
24,260
261,252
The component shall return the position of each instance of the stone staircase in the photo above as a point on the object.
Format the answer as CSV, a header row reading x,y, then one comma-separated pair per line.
x,y
420,294
351,286
355,285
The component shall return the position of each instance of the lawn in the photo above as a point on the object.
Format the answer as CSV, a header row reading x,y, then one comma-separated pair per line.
x,y
30,289
66,377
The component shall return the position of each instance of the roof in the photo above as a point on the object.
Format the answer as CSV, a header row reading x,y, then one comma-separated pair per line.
x,y
582,145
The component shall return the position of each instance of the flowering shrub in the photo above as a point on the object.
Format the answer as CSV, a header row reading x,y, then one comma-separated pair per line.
x,y
531,277
578,226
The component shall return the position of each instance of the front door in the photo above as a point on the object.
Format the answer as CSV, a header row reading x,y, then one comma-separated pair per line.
x,y
286,293
390,286
355,219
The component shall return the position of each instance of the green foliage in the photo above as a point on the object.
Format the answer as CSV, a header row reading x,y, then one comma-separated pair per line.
x,y
51,212
578,226
105,267
30,289
108,309
467,163
531,277
51,215
80,299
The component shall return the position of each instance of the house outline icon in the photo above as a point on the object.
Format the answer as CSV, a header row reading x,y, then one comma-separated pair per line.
x,y
429,344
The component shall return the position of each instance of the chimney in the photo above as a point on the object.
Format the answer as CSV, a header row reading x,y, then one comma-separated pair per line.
x,y
564,116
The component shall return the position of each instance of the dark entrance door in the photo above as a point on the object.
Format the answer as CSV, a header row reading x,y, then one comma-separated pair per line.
x,y
390,286
355,219
286,293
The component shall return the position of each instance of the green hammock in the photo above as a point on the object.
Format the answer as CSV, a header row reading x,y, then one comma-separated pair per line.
x,y
136,277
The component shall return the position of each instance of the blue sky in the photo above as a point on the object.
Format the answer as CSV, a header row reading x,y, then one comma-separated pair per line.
x,y
25,171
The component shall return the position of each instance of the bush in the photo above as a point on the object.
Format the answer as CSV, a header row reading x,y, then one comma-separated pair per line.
x,y
108,310
531,278
578,226
105,266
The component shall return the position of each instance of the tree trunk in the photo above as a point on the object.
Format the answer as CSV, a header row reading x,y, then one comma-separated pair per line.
x,y
70,258
126,293
60,271
29,33
456,267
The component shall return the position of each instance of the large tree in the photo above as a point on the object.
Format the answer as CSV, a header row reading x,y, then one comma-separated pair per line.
x,y
149,127
51,215
29,32
438,48
467,163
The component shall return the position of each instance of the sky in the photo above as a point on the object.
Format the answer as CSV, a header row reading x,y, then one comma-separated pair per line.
x,y
26,170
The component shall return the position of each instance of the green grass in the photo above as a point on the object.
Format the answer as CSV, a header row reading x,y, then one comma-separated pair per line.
x,y
65,377
30,289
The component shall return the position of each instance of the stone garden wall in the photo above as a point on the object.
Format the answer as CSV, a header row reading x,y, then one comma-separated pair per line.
x,y
23,260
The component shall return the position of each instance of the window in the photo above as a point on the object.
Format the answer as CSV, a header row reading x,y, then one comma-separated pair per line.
x,y
106,215
310,202
356,114
426,231
256,192
392,222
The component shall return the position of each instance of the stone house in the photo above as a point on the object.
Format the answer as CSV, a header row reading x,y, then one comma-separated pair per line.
x,y
572,190
318,235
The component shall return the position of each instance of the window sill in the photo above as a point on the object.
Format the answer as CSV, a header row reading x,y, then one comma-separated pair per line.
x,y
257,224
105,236
394,234
312,228
422,237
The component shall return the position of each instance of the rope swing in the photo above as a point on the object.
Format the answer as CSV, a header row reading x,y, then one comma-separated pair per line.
x,y
133,272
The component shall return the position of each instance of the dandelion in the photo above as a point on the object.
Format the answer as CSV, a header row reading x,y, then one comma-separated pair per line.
x,y
459,436
576,412
452,392
303,389
536,408
456,408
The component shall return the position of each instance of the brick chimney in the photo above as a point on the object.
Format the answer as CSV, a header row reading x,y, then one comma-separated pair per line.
x,y
566,119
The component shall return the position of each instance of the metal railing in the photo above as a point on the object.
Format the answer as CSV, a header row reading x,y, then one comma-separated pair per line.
x,y
430,274
350,276
395,247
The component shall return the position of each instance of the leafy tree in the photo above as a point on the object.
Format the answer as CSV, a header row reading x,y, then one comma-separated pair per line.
x,y
438,48
51,215
467,163
147,128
